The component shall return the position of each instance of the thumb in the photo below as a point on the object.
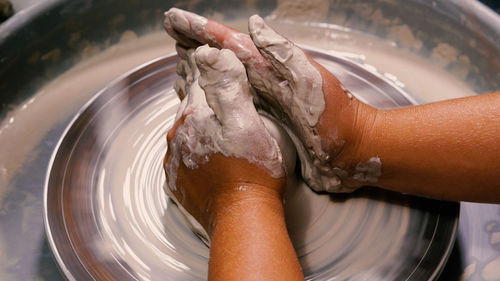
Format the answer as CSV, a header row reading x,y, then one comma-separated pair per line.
x,y
223,78
302,75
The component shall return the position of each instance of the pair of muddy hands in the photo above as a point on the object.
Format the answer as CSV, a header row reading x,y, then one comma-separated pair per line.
x,y
219,137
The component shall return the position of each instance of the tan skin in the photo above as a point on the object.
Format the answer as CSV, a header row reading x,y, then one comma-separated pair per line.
x,y
242,224
446,150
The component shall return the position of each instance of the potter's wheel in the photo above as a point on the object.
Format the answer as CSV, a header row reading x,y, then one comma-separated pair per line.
x,y
107,217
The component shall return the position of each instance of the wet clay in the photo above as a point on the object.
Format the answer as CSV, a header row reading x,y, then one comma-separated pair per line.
x,y
300,98
140,226
220,117
287,148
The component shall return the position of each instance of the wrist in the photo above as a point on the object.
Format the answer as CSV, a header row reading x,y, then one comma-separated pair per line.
x,y
248,235
356,148
243,201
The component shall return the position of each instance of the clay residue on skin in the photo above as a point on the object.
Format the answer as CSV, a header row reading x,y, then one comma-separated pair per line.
x,y
286,147
306,99
345,235
410,68
289,157
92,75
221,119
368,171
299,96
196,25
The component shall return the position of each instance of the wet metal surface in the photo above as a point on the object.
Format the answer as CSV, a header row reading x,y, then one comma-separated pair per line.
x,y
108,218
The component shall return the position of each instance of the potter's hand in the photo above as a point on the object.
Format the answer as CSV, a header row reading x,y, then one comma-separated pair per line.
x,y
226,170
325,121
219,150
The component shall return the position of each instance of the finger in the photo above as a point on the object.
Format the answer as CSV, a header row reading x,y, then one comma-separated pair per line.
x,y
189,86
223,78
180,88
302,76
182,39
182,109
195,97
281,52
173,130
184,70
192,72
224,81
186,25
171,134
261,73
205,31
181,68
181,51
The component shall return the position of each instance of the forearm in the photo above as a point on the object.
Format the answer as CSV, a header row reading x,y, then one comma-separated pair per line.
x,y
250,241
447,150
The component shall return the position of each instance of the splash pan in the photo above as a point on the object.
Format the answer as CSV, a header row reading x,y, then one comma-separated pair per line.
x,y
107,217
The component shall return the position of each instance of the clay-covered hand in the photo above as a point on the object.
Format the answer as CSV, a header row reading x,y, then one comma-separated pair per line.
x,y
325,121
219,150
